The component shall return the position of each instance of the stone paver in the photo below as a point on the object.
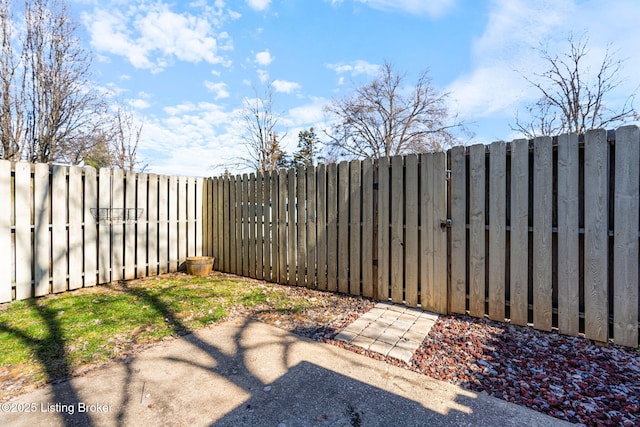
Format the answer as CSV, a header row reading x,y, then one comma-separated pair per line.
x,y
390,329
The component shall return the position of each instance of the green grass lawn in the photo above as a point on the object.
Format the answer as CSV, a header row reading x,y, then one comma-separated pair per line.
x,y
45,339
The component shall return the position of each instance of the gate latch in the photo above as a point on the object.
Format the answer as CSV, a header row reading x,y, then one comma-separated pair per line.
x,y
445,223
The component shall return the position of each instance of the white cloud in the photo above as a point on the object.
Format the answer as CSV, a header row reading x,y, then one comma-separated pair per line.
x,y
220,89
263,58
258,4
139,104
355,68
285,86
150,36
434,8
263,76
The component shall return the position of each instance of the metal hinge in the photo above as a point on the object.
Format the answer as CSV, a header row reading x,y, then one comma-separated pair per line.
x,y
445,223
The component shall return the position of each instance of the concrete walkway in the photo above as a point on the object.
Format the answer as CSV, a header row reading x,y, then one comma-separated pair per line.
x,y
390,329
247,373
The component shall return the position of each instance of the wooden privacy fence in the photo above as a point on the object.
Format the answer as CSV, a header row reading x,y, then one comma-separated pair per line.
x,y
50,240
541,232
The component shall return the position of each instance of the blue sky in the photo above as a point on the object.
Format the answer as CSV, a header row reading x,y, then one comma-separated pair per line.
x,y
185,67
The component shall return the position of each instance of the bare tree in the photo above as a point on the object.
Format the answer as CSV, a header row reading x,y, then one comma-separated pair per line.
x,y
383,118
572,98
261,140
126,140
12,114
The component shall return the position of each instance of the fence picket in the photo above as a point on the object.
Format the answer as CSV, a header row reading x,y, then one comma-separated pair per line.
x,y
22,215
519,233
343,227
5,232
332,227
440,261
497,232
367,228
259,212
75,246
321,240
397,229
412,201
183,237
625,250
311,228
59,229
458,230
250,215
383,229
90,230
268,228
153,215
477,192
282,227
117,226
142,226
355,206
595,235
130,227
291,228
568,238
301,226
42,233
163,224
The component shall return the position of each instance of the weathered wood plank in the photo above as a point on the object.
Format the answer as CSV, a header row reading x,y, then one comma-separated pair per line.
x,y
59,229
90,230
173,224
130,227
458,230
261,207
568,238
42,233
104,227
625,250
595,235
76,253
428,217
477,192
142,226
22,221
301,226
355,204
152,217
343,227
163,225
321,241
117,225
332,227
182,219
291,227
542,217
282,227
234,236
312,214
251,219
367,228
6,254
397,229
440,267
384,191
194,217
268,228
412,200
519,233
497,229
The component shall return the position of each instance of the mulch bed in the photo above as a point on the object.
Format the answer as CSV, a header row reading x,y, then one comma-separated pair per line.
x,y
568,378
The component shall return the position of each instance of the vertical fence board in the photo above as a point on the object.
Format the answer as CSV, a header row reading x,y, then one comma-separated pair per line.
x,y
625,251
301,226
76,253
384,191
367,228
343,227
497,232
355,205
163,224
152,208
234,235
568,239
90,229
477,193
219,220
104,227
321,241
130,227
5,231
595,235
542,217
174,227
204,222
260,212
268,228
519,233
183,237
42,234
311,228
142,226
427,202
397,229
412,200
194,212
440,267
275,228
251,221
282,227
59,229
117,226
291,227
458,299
22,221
332,227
